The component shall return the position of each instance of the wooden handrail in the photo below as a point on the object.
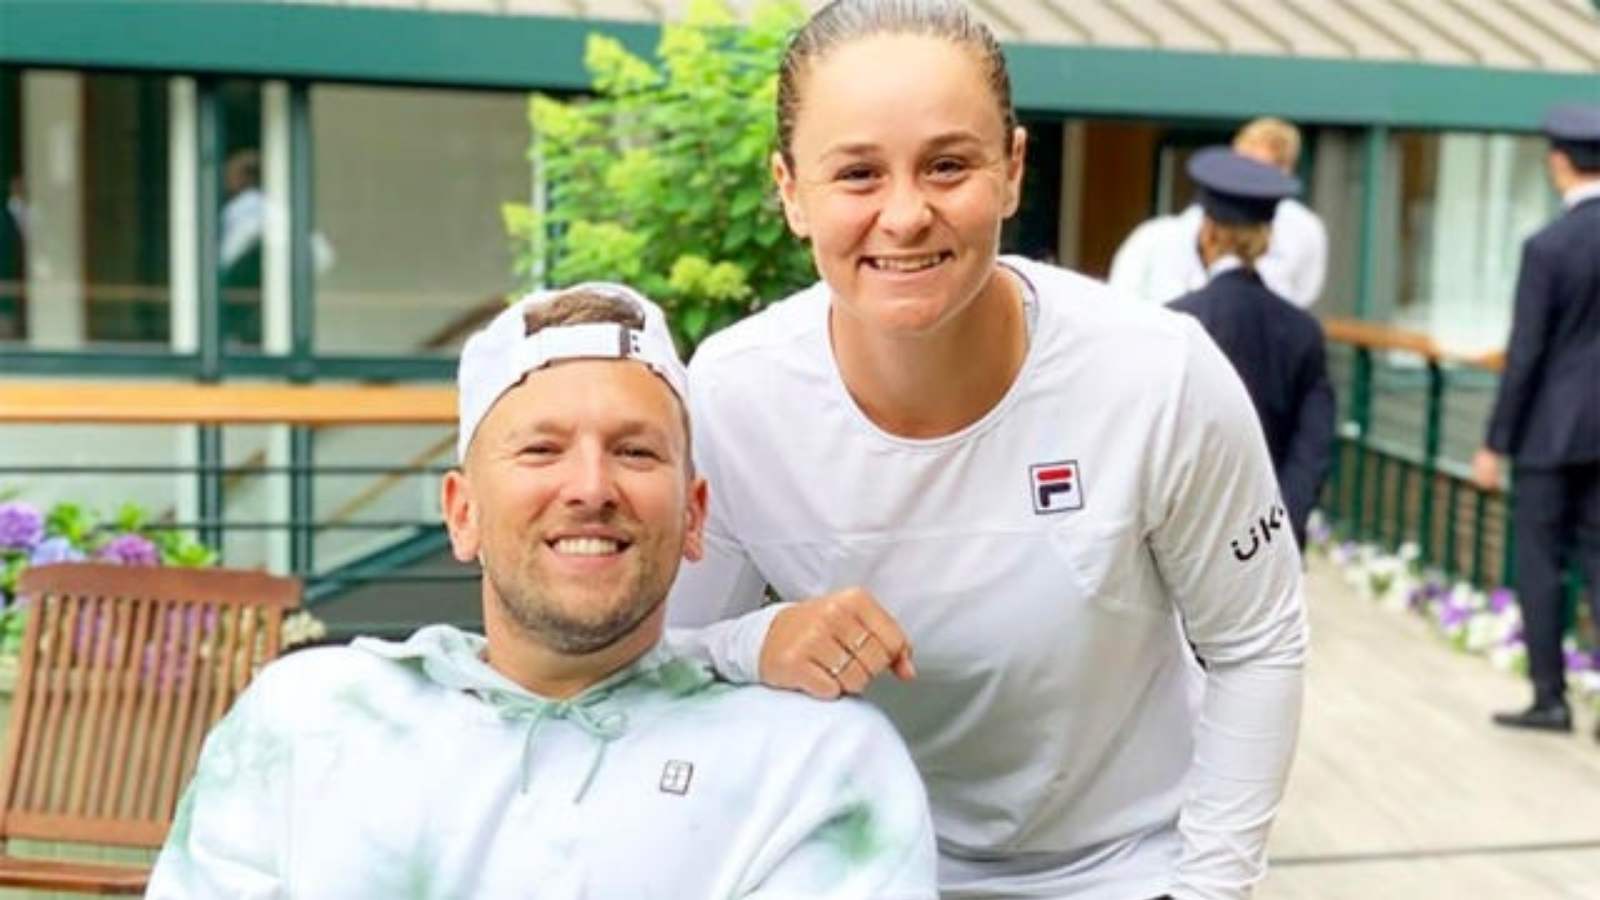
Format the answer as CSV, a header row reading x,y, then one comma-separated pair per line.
x,y
1377,336
82,402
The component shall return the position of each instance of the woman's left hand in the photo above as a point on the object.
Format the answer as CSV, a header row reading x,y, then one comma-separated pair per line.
x,y
834,644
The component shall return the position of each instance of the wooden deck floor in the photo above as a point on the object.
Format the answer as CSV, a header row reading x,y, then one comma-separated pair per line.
x,y
1402,788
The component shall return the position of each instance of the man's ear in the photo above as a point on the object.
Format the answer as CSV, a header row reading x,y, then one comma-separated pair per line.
x,y
694,521
788,192
460,515
1562,171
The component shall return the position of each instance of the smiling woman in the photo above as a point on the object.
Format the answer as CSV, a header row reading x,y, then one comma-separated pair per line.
x,y
997,467
901,181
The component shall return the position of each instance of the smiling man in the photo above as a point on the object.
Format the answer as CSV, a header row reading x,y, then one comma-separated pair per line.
x,y
566,753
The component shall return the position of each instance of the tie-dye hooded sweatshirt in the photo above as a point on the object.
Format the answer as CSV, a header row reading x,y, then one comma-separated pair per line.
x,y
414,770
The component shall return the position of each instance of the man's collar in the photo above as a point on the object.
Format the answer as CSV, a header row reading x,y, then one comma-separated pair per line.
x,y
454,659
1226,263
1588,190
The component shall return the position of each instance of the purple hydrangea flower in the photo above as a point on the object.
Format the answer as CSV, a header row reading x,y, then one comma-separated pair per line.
x,y
1452,614
54,550
21,526
130,550
1501,599
1582,661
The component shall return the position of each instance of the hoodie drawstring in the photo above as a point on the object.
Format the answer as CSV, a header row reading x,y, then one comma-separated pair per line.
x,y
603,727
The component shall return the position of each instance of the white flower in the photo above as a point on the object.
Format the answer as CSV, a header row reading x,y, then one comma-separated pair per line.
x,y
1410,552
1483,632
1385,579
1509,621
302,628
1508,658
1395,601
1586,682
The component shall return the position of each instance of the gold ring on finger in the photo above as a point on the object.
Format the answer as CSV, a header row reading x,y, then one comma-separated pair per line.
x,y
842,665
860,641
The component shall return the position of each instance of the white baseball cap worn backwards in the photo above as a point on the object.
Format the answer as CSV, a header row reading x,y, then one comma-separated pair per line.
x,y
497,358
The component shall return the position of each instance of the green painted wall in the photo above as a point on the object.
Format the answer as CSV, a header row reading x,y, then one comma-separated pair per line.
x,y
521,52
292,40
1173,85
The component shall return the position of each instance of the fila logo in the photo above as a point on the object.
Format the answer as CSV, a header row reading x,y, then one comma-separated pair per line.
x,y
675,777
1056,487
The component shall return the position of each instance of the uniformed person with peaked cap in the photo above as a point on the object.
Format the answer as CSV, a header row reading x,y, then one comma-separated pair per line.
x,y
1276,347
1547,414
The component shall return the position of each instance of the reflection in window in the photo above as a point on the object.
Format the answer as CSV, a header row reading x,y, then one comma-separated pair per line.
x,y
84,234
1465,204
1419,177
409,186
243,215
13,208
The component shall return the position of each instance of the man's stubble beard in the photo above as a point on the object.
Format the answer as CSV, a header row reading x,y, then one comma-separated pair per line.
x,y
555,628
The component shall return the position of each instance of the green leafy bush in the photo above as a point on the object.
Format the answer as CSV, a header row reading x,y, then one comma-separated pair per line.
x,y
661,178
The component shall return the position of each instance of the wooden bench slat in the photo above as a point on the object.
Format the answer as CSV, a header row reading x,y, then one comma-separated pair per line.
x,y
162,673
185,673
60,875
53,647
127,710
205,685
111,687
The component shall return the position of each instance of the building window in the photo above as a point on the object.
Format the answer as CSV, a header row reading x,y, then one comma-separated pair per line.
x,y
410,248
84,236
1462,206
243,217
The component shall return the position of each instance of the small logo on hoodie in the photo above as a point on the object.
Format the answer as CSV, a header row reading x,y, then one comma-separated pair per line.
x,y
675,777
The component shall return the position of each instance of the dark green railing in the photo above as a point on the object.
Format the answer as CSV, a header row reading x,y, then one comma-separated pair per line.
x,y
415,544
1411,415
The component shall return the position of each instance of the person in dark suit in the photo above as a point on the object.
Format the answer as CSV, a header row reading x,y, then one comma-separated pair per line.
x,y
1547,414
1276,347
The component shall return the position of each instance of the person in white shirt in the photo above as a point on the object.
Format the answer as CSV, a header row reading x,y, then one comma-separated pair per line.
x,y
244,219
1160,261
993,501
566,754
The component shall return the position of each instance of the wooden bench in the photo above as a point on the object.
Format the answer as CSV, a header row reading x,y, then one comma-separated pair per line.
x,y
124,670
